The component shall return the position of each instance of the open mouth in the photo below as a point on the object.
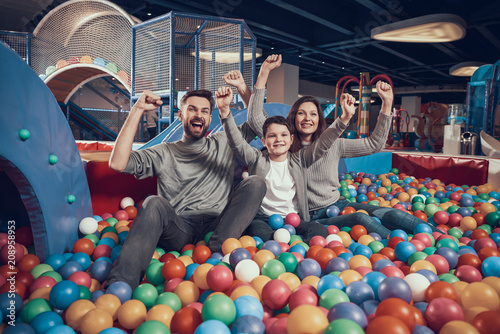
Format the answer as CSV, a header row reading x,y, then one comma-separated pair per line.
x,y
198,126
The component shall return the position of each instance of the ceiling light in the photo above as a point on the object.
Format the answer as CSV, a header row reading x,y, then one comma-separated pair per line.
x,y
227,57
149,14
435,28
465,69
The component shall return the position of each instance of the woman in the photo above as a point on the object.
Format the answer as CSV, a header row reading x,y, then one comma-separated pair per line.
x,y
323,184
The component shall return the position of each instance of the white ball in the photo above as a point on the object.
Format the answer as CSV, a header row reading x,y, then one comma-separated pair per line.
x,y
126,201
418,284
282,235
244,175
88,225
333,237
246,270
225,259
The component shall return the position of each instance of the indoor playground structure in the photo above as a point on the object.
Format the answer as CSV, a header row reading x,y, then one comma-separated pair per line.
x,y
68,215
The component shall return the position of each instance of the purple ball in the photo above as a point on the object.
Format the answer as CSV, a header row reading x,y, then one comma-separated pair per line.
x,y
394,287
336,264
273,246
121,290
308,267
237,255
69,268
248,324
349,311
359,292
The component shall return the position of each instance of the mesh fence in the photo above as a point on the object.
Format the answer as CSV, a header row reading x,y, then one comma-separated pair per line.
x,y
84,31
17,42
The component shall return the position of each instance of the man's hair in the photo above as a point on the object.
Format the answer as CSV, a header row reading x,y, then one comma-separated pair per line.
x,y
200,93
275,120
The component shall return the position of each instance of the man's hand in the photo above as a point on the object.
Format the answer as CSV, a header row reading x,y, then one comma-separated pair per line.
x,y
272,62
234,79
223,98
384,90
148,101
348,109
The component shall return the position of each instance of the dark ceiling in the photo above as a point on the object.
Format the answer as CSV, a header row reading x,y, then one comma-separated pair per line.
x,y
332,37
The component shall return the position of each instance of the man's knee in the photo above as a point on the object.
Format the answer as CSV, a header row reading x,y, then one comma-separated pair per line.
x,y
255,185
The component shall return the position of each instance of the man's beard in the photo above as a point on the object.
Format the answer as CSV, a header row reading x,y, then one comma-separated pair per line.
x,y
188,132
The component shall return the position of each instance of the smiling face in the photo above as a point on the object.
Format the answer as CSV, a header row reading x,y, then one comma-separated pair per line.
x,y
277,140
307,120
195,116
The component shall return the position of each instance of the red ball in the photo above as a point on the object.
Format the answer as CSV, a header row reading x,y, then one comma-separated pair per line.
x,y
419,245
442,310
483,243
185,320
455,197
25,277
441,264
439,289
292,219
317,240
83,245
201,253
132,211
81,278
275,294
469,260
468,274
219,278
391,271
425,238
101,251
174,268
24,236
42,282
16,251
172,284
487,322
166,257
394,241
121,215
454,219
398,308
28,262
332,229
441,217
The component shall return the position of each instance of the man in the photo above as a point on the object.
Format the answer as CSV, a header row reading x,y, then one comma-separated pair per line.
x,y
195,180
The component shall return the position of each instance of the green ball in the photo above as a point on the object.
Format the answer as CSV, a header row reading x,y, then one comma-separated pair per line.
x,y
431,200
160,288
188,252
303,244
273,268
170,299
493,218
54,274
332,297
453,209
109,229
444,200
295,238
207,237
422,190
418,206
154,273
39,269
112,67
85,292
112,221
345,229
71,199
352,200
33,308
346,194
449,278
343,183
92,237
486,228
160,251
416,257
289,261
484,196
285,309
429,250
219,307
152,327
374,203
175,253
343,326
433,241
24,134
146,293
221,263
472,210
431,209
447,243
455,232
53,159
348,176
376,246
395,171
417,199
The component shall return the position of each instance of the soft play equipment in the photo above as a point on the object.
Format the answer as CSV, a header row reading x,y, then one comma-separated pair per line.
x,y
39,156
489,145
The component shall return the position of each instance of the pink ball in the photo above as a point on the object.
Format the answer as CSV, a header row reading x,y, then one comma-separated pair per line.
x,y
16,257
298,256
101,251
219,278
455,197
292,219
317,240
284,247
468,274
269,322
363,270
121,215
425,238
106,215
391,271
441,310
172,284
441,264
332,229
278,327
4,238
454,219
301,297
42,282
484,243
464,240
81,278
275,294
419,245
440,217
196,305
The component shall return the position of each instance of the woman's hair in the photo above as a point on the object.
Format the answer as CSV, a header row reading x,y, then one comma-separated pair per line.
x,y
292,114
275,120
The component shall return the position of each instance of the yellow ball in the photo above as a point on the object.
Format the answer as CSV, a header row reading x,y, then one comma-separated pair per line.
x,y
311,280
458,327
349,276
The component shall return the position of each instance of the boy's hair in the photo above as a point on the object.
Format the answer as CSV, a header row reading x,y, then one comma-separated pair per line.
x,y
200,93
275,120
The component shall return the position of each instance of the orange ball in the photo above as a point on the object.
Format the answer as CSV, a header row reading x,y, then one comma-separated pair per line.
x,y
386,183
95,321
313,250
247,241
230,244
187,292
403,197
366,181
323,256
290,279
83,245
359,261
131,314
109,303
348,276
76,311
244,290
468,223
486,208
311,280
387,324
306,319
357,231
259,282
201,254
132,211
263,256
381,191
422,264
28,262
200,275
161,313
346,238
365,239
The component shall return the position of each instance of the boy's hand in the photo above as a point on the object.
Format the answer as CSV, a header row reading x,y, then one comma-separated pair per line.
x,y
223,98
234,79
384,90
272,62
348,109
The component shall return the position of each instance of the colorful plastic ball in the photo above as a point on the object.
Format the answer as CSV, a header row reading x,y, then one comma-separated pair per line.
x,y
248,305
282,235
491,266
275,221
394,287
418,284
220,278
306,319
121,290
301,297
272,246
76,311
272,268
332,297
275,294
329,282
219,307
100,270
30,310
83,259
146,293
292,219
238,255
19,328
109,303
343,326
185,320
468,274
81,278
486,322
248,324
359,292
436,316
480,294
95,321
87,225
348,310
289,261
55,261
45,321
63,294
131,314
332,211
174,268
308,267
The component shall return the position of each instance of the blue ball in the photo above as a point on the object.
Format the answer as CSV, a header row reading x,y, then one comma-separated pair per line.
x,y
83,259
422,228
115,252
353,192
249,325
464,212
190,270
19,328
275,221
67,256
290,229
430,275
298,249
332,211
359,292
375,235
273,246
249,305
403,250
122,236
112,330
369,306
449,254
258,240
69,268
121,290
108,242
10,306
45,321
362,198
212,261
212,327
63,294
96,294
362,189
330,281
466,201
308,267
439,195
205,295
60,329
419,329
394,287
55,261
237,255
348,310
100,270
336,264
398,233
346,256
494,194
373,279
363,250
382,263
388,197
491,266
